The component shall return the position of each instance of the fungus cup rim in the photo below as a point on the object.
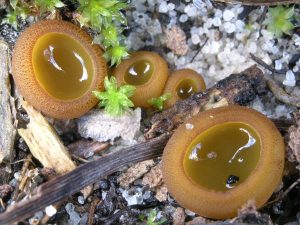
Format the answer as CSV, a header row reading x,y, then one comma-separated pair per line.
x,y
178,76
30,87
156,81
259,185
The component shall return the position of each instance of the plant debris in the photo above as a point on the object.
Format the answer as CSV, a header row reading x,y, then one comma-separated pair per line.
x,y
7,124
102,127
135,172
294,141
176,40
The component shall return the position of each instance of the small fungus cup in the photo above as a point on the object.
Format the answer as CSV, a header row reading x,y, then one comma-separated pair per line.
x,y
181,84
147,71
56,68
221,158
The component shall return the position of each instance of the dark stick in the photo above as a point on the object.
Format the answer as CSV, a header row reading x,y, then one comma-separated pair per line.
x,y
63,186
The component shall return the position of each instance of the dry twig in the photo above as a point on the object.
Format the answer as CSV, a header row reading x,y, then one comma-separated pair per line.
x,y
278,91
8,131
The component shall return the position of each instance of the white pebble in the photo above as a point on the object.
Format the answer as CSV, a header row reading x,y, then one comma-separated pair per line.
x,y
289,79
195,39
218,13
163,7
240,25
252,47
278,65
228,15
183,18
191,10
50,210
171,6
229,27
198,3
295,69
80,200
217,21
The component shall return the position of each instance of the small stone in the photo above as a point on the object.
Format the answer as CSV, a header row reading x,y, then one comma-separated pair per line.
x,y
171,6
104,185
228,15
176,40
278,65
163,7
161,193
50,210
195,39
229,27
198,3
216,22
252,47
240,25
190,10
178,217
80,200
135,199
289,79
189,212
183,18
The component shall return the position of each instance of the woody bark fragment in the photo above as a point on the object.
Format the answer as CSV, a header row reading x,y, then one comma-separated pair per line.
x,y
8,131
44,143
236,89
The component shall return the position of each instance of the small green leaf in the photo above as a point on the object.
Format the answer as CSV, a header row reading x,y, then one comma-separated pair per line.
x,y
116,54
279,20
114,99
107,19
159,102
13,3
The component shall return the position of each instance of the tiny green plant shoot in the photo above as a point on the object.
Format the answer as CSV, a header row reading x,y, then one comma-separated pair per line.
x,y
152,218
114,99
158,102
279,20
105,17
23,9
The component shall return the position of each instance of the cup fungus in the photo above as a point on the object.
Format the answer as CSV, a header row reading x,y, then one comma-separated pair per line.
x,y
182,84
56,68
147,71
222,158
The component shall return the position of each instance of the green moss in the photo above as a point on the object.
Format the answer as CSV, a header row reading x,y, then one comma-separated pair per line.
x,y
114,99
279,20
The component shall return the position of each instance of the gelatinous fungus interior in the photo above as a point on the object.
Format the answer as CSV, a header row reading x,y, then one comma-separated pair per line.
x,y
223,156
139,72
62,66
186,88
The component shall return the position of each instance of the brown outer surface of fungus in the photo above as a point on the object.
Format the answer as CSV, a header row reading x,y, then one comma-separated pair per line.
x,y
258,186
28,85
176,77
154,86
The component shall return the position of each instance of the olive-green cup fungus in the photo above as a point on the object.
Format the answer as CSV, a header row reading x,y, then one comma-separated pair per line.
x,y
181,84
56,67
208,148
147,71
